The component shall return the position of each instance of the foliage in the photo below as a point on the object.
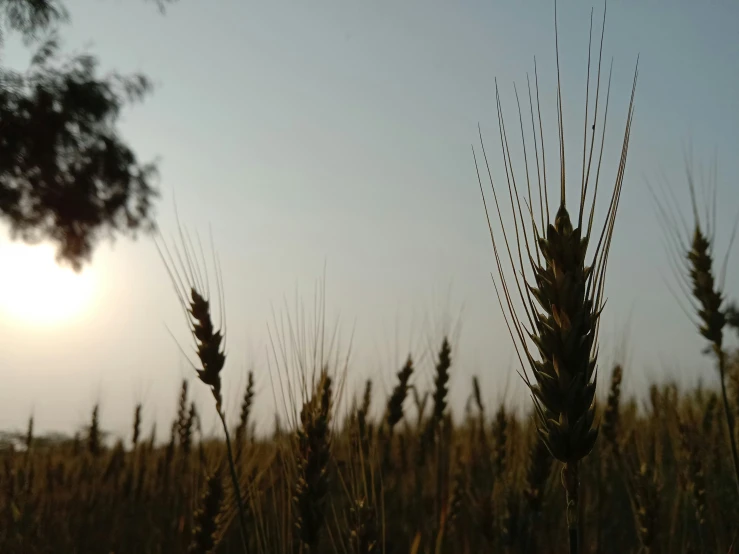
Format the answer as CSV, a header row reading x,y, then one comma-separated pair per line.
x,y
66,174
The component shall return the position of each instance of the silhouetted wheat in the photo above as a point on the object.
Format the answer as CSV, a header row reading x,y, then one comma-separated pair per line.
x,y
550,267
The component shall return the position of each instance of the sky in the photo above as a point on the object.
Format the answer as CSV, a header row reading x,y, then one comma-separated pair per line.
x,y
331,143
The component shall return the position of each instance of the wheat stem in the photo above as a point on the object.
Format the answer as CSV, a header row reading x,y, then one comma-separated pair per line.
x,y
235,480
571,481
727,412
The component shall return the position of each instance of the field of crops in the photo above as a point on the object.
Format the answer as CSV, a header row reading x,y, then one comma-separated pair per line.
x,y
660,479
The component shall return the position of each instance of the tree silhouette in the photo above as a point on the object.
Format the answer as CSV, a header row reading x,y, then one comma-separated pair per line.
x,y
65,173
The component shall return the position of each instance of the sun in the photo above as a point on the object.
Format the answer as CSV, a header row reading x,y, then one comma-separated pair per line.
x,y
37,291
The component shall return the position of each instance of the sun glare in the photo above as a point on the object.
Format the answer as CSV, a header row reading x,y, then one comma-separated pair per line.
x,y
36,290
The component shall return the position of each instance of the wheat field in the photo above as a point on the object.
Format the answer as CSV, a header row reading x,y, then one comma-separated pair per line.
x,y
659,479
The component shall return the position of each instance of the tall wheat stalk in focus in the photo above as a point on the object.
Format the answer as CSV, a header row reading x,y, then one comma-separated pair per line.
x,y
553,296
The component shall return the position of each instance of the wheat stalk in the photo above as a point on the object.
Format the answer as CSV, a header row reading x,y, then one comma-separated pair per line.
x,y
246,405
313,442
611,414
690,247
207,515
394,412
136,434
190,280
560,290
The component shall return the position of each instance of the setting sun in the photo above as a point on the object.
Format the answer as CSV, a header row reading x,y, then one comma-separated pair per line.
x,y
36,290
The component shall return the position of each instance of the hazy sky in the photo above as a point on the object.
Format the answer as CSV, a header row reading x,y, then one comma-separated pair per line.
x,y
338,135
